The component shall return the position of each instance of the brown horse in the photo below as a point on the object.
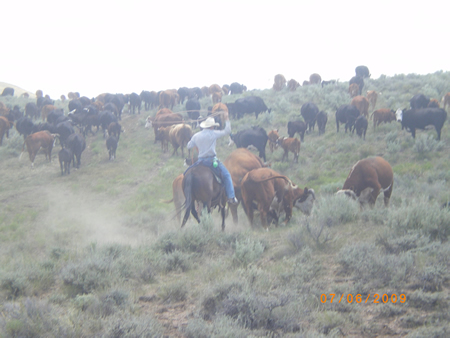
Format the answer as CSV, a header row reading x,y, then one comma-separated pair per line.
x,y
199,184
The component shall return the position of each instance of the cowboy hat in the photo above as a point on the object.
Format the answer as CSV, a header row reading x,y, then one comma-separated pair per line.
x,y
208,123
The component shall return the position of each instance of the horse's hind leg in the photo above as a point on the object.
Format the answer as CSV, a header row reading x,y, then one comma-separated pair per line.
x,y
195,214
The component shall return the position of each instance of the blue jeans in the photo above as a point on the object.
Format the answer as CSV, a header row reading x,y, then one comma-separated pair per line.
x,y
227,182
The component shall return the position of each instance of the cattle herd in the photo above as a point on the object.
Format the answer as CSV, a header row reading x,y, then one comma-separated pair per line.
x,y
256,185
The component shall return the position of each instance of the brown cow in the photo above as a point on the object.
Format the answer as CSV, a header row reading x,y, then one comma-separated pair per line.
x,y
433,104
164,137
45,110
382,115
205,91
5,126
215,88
4,110
446,100
216,97
289,144
226,89
367,179
180,135
273,192
218,111
292,85
167,99
372,96
239,163
178,195
315,79
164,120
362,104
34,142
273,138
353,90
279,82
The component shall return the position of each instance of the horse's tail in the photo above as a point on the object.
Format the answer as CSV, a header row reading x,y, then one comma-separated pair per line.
x,y
187,189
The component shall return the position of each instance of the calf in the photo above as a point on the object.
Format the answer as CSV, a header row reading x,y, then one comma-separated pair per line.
x,y
164,137
111,145
372,96
77,144
5,125
289,144
180,135
65,156
383,115
273,138
322,119
114,129
296,127
34,142
362,104
361,126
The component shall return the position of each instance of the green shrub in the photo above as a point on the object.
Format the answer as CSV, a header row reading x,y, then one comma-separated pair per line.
x,y
14,284
336,209
247,251
372,268
175,261
174,292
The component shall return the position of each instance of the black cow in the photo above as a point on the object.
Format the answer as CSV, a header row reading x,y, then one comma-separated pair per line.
x,y
8,91
193,110
105,118
296,127
413,119
309,112
85,101
32,110
65,156
77,144
361,126
362,71
54,115
43,101
44,126
118,100
15,113
419,101
359,81
237,88
347,114
111,145
255,136
322,119
135,101
75,106
188,93
64,130
24,126
149,99
249,105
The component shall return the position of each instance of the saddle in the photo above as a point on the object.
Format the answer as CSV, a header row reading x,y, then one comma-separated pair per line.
x,y
215,171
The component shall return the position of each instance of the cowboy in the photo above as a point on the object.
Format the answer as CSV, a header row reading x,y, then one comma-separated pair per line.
x,y
205,141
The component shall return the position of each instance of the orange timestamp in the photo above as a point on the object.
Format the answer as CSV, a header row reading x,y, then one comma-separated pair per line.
x,y
376,298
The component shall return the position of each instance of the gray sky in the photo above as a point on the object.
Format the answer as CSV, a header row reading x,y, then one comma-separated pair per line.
x,y
124,46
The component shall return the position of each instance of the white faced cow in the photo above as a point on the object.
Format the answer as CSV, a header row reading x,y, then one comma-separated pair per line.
x,y
367,179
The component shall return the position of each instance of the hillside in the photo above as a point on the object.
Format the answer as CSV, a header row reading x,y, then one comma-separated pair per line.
x,y
17,90
99,253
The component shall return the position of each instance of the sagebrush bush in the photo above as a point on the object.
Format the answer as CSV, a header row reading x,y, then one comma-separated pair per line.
x,y
175,261
422,216
372,268
427,301
247,251
335,209
174,292
425,144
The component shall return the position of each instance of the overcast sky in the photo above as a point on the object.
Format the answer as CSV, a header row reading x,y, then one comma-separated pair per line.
x,y
124,46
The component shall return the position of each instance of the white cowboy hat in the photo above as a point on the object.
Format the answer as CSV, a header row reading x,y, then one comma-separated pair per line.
x,y
208,123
